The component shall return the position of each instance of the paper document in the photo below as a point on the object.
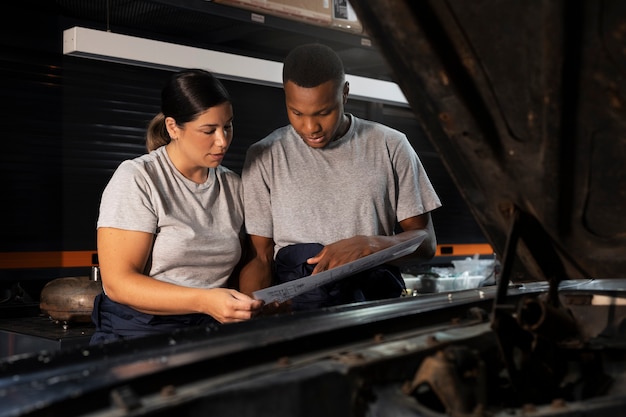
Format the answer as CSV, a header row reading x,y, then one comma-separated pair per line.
x,y
285,291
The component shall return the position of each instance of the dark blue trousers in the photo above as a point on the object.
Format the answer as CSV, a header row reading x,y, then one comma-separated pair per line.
x,y
115,321
384,281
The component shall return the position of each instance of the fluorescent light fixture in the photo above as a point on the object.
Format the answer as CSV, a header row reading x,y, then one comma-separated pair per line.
x,y
130,50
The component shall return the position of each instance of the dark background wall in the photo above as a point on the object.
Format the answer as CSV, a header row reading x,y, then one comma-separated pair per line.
x,y
68,122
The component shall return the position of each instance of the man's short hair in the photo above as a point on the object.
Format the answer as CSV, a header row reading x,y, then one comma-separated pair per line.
x,y
311,65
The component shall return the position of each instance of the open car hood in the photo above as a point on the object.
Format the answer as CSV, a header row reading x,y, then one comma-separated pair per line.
x,y
525,103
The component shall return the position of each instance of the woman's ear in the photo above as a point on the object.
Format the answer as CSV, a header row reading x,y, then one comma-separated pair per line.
x,y
172,128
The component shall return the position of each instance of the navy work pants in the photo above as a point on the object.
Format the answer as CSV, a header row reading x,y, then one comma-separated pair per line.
x,y
115,321
384,281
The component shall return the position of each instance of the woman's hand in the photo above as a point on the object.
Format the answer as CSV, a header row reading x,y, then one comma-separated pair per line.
x,y
227,306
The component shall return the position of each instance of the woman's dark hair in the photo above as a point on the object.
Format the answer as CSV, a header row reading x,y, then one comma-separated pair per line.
x,y
311,65
186,95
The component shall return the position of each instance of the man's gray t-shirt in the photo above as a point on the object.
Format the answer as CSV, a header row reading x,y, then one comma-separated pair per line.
x,y
360,184
197,227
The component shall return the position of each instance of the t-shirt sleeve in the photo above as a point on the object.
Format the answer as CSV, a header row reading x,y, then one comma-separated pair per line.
x,y
256,193
126,201
416,193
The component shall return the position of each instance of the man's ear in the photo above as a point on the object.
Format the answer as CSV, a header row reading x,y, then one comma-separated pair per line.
x,y
346,90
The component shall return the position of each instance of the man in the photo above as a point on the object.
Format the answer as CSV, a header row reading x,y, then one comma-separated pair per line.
x,y
330,188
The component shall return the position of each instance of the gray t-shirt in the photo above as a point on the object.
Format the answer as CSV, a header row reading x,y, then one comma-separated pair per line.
x,y
360,184
197,227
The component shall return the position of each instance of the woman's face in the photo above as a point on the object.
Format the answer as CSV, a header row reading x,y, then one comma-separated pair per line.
x,y
202,143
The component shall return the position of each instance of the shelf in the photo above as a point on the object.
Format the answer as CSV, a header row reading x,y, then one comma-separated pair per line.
x,y
206,24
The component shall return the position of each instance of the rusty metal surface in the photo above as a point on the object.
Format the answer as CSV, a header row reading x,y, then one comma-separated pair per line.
x,y
453,380
221,359
525,103
348,360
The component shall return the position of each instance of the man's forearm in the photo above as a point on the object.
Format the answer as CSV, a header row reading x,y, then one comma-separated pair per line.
x,y
255,275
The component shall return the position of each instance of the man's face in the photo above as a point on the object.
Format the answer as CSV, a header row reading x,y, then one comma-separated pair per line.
x,y
316,113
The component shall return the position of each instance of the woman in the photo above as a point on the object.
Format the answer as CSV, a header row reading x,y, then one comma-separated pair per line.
x,y
170,223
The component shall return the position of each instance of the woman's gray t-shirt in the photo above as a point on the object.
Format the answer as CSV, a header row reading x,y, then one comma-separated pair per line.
x,y
196,227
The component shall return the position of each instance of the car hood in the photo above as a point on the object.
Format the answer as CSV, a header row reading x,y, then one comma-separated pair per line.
x,y
524,101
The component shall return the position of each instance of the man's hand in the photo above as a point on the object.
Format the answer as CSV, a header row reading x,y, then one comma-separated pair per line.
x,y
348,250
351,249
275,307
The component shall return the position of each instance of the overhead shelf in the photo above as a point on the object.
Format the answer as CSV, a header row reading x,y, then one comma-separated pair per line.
x,y
235,10
209,25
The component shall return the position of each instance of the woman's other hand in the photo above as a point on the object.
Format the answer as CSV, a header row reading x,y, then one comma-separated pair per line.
x,y
228,305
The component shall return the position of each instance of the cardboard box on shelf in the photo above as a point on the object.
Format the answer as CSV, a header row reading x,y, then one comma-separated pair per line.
x,y
311,11
344,17
253,5
317,12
